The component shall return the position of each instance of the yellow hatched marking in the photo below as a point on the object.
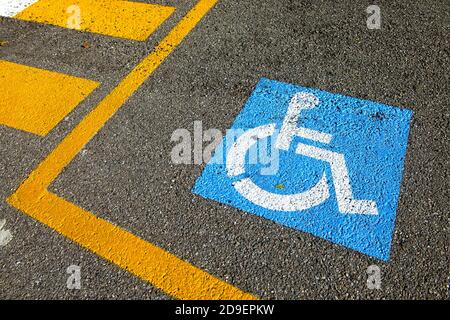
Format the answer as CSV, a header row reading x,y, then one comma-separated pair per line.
x,y
123,19
36,100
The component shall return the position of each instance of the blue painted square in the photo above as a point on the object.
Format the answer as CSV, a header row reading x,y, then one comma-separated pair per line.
x,y
372,137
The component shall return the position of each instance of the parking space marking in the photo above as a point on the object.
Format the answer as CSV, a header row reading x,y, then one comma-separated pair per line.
x,y
123,19
36,100
340,159
171,274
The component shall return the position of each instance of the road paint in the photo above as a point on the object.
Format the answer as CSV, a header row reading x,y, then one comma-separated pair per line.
x,y
5,235
123,19
171,274
9,8
340,163
36,100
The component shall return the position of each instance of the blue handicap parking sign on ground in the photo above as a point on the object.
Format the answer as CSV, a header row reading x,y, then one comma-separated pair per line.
x,y
315,161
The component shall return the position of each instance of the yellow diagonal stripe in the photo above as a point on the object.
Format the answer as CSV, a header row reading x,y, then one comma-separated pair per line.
x,y
174,276
36,100
123,19
164,270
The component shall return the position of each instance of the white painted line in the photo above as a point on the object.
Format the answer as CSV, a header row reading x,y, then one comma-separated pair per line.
x,y
318,194
5,235
9,8
293,202
341,180
300,101
236,154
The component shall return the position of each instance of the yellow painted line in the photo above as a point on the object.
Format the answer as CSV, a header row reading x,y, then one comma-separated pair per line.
x,y
123,19
164,270
36,100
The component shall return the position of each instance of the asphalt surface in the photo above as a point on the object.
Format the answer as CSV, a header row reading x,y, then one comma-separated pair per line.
x,y
125,174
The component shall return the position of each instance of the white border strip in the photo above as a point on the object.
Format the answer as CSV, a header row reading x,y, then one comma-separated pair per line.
x,y
9,8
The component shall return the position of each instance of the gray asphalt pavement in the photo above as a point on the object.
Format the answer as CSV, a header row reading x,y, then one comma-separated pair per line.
x,y
125,174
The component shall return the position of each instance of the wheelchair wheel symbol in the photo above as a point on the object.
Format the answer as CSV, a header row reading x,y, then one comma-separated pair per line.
x,y
316,195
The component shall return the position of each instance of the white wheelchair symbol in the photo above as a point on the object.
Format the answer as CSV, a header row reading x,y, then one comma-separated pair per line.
x,y
319,193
